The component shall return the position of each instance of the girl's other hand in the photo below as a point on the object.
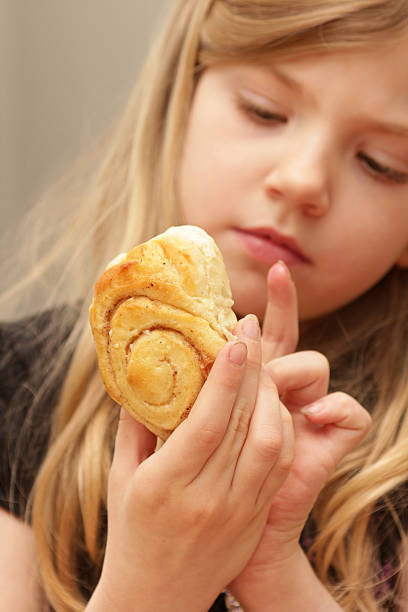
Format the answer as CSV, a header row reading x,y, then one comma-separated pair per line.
x,y
327,427
185,520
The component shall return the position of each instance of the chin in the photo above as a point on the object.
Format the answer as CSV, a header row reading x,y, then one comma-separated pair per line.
x,y
242,307
249,292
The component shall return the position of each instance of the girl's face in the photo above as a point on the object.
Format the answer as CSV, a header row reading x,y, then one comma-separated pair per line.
x,y
304,161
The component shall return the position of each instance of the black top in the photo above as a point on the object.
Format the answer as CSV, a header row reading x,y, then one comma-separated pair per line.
x,y
25,409
26,406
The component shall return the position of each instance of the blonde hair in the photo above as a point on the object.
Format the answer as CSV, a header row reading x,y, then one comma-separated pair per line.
x,y
126,192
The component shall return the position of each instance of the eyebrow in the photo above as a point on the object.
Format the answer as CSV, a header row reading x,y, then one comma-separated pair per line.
x,y
390,128
380,126
285,79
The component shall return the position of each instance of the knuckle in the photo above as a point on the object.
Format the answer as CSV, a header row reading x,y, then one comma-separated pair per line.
x,y
366,420
268,446
284,342
353,411
242,415
229,384
203,511
345,407
292,338
322,362
275,340
286,463
284,335
253,364
152,498
231,379
208,436
342,400
287,454
286,459
286,417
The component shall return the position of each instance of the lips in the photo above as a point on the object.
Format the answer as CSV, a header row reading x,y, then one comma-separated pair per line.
x,y
268,246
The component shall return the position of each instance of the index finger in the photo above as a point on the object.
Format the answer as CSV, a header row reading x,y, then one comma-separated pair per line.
x,y
280,330
190,446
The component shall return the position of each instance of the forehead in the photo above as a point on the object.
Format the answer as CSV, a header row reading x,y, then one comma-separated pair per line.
x,y
375,74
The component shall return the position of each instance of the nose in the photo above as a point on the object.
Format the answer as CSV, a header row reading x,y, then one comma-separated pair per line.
x,y
300,177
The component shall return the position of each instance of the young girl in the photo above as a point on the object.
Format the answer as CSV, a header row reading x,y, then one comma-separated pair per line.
x,y
281,128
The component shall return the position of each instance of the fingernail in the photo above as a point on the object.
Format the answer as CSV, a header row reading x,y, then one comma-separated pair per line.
x,y
280,266
281,269
313,408
238,353
251,327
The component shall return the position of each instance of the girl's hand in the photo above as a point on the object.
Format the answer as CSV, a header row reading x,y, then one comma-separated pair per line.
x,y
327,427
185,520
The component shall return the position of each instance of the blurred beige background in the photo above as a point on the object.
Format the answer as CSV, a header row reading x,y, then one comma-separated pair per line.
x,y
66,69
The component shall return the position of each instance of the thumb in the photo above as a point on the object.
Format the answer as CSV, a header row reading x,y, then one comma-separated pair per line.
x,y
133,444
344,420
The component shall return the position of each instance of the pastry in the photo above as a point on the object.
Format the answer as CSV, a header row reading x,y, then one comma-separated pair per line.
x,y
159,316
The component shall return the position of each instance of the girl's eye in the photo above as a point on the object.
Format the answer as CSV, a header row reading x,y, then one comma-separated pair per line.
x,y
381,172
258,113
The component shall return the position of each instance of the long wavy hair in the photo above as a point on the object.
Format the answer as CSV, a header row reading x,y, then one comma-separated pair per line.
x,y
124,193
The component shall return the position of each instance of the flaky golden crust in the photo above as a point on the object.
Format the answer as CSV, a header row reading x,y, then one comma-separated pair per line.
x,y
159,317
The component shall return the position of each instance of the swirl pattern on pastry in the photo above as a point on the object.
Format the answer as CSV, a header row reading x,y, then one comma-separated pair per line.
x,y
159,317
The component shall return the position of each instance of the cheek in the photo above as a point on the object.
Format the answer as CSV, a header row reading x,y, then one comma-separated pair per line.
x,y
340,280
193,177
249,296
199,206
204,191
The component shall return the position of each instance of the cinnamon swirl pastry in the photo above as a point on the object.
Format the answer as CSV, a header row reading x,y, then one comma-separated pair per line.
x,y
159,316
